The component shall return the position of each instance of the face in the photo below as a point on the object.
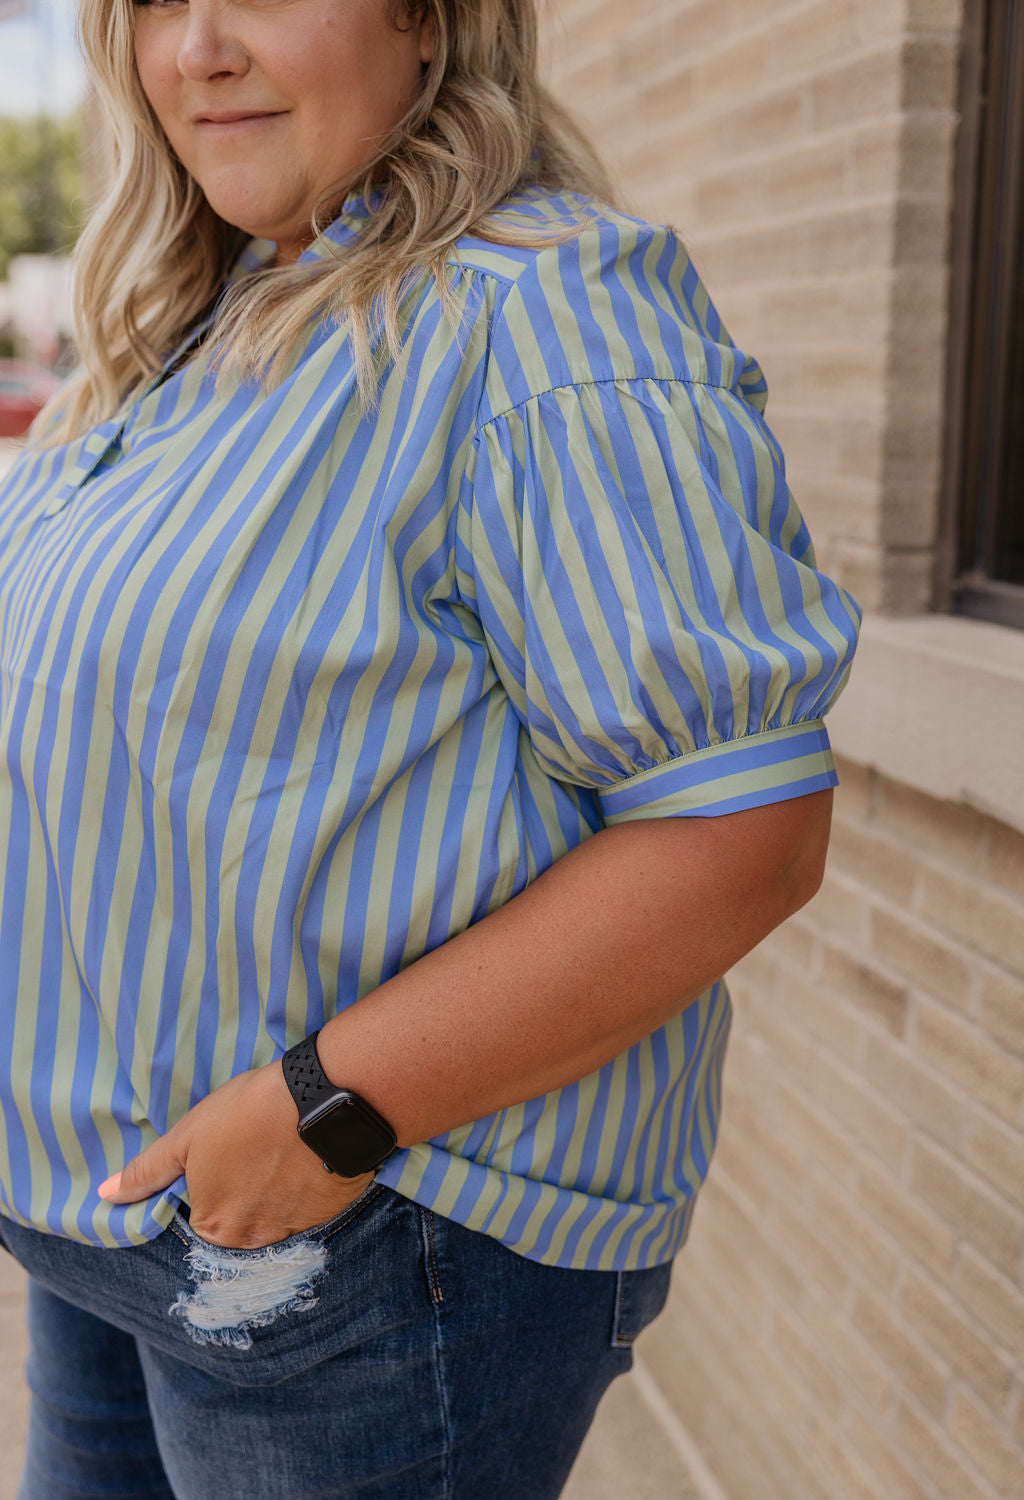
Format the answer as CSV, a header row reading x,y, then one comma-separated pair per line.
x,y
270,104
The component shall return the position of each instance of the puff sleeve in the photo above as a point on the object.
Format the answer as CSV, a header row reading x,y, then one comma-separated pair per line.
x,y
647,590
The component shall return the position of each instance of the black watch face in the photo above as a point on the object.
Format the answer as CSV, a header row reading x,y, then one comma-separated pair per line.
x,y
348,1136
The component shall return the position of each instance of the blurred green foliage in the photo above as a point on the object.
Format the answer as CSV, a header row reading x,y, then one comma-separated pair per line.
x,y
42,186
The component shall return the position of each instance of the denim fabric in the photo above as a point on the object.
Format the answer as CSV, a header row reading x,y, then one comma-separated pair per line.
x,y
388,1354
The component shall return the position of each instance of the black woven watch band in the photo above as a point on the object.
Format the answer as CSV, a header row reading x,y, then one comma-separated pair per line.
x,y
305,1077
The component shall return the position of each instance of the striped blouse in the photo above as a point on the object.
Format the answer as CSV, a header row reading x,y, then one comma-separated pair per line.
x,y
291,692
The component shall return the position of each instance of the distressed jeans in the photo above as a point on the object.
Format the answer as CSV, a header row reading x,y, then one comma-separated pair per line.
x,y
388,1354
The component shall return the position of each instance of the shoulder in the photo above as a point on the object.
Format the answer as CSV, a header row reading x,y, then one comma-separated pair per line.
x,y
590,294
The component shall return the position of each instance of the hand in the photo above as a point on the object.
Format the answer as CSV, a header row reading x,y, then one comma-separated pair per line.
x,y
251,1180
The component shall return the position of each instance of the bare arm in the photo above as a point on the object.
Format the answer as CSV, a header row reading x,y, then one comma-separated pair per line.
x,y
601,950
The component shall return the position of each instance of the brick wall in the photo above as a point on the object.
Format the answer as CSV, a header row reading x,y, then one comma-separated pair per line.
x,y
848,1319
804,150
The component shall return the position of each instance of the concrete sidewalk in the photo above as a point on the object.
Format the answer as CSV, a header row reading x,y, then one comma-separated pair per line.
x,y
626,1456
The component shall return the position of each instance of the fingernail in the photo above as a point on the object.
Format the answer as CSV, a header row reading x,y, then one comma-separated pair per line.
x,y
110,1187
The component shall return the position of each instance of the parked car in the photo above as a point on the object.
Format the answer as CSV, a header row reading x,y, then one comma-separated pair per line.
x,y
24,389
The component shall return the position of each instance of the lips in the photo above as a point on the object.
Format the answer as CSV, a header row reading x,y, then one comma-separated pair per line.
x,y
237,116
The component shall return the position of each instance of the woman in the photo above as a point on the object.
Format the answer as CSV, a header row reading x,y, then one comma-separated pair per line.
x,y
412,667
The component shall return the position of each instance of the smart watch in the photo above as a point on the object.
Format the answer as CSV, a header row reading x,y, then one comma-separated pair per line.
x,y
347,1134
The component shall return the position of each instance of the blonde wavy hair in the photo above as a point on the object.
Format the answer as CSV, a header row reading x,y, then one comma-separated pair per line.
x,y
152,262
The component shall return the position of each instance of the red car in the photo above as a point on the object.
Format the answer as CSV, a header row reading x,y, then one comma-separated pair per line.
x,y
24,390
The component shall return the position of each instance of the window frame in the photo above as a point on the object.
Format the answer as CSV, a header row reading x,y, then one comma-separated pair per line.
x,y
987,247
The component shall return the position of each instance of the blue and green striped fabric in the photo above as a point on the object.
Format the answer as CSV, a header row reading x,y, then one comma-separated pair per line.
x,y
291,691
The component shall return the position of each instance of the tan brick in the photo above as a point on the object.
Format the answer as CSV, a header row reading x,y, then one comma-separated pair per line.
x,y
787,313
861,445
919,295
760,970
921,955
867,987
897,582
898,1481
936,15
993,1299
871,1121
998,1155
896,1344
774,119
914,150
977,1215
969,1059
829,1021
849,1475
736,69
853,1235
921,238
746,1254
762,1165
936,1318
855,796
1005,864
788,1045
869,85
748,1150
956,834
752,253
809,178
878,20
876,151
689,1357
916,1090
976,915
840,908
909,513
695,27
848,1352
804,178
668,95
849,238
912,452
853,506
987,1444
920,1232
798,943
797,1239
927,1447
930,73
805,1361
1001,1009
879,863
811,38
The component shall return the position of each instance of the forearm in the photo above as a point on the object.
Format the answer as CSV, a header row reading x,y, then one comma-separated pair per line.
x,y
601,950
614,939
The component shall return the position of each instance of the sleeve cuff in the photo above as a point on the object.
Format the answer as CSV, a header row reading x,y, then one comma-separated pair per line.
x,y
750,772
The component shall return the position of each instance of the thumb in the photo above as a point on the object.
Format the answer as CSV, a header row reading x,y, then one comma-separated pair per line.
x,y
160,1164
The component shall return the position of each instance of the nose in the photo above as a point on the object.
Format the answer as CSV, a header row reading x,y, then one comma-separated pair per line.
x,y
210,46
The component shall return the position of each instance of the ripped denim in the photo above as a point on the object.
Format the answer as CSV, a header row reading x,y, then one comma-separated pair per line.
x,y
389,1354
231,1296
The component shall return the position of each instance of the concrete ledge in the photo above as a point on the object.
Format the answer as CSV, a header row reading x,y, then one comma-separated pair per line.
x,y
937,702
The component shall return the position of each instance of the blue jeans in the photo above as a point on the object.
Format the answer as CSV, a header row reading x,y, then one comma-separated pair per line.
x,y
389,1354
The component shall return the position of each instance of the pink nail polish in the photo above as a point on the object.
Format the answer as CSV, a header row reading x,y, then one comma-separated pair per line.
x,y
109,1188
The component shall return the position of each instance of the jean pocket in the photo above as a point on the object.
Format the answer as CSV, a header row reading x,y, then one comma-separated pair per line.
x,y
235,1291
639,1298
320,1233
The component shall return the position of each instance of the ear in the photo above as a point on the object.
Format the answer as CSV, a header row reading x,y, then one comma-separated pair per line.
x,y
428,36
